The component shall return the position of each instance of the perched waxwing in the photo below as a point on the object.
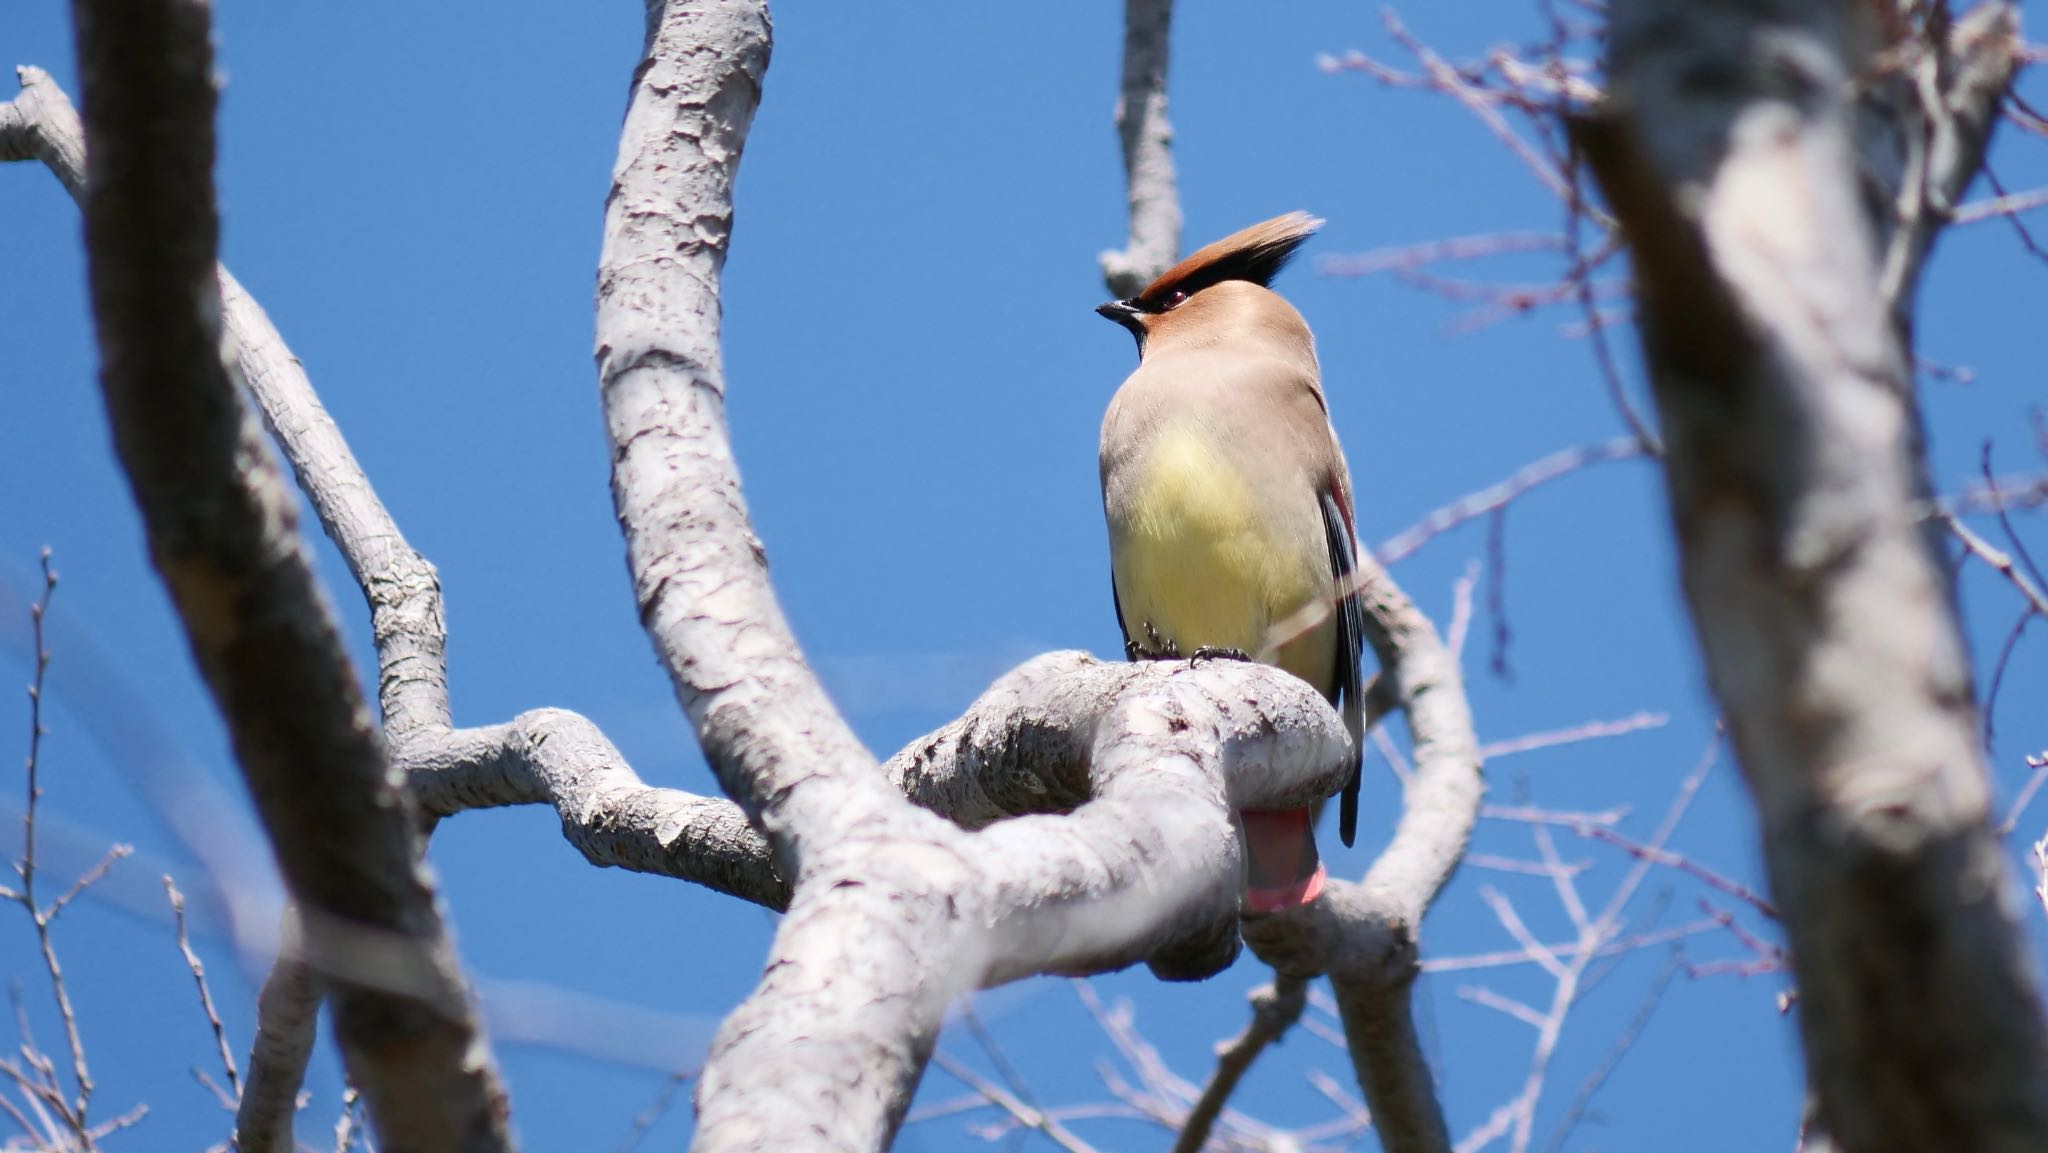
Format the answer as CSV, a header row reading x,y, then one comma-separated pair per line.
x,y
1229,504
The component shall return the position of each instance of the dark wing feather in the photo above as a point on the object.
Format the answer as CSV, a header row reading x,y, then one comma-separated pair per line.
x,y
1350,648
1130,654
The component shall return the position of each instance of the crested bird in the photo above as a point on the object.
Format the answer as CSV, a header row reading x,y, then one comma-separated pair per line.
x,y
1229,505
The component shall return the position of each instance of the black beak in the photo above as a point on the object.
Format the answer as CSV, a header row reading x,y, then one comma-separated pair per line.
x,y
1124,313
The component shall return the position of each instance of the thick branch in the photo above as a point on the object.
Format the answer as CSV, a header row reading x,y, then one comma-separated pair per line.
x,y
700,576
1825,613
221,533
902,912
1147,138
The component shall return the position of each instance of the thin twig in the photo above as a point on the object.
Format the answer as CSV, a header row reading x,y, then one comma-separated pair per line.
x,y
1990,554
1590,731
656,1109
1622,1044
74,1111
198,967
1023,1114
2039,763
1275,1009
1474,505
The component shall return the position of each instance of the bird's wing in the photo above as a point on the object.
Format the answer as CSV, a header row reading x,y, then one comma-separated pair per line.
x,y
1350,648
1130,651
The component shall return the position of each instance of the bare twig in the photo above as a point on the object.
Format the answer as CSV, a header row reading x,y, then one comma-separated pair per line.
x,y
1025,1115
1275,1009
1590,731
198,967
2000,562
656,1109
1496,496
1630,1034
73,1112
2038,762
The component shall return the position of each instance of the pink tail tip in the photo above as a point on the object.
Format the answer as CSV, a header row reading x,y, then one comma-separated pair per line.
x,y
1293,896
1282,868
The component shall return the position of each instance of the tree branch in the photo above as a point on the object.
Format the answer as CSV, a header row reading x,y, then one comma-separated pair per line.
x,y
40,124
1275,1009
221,533
895,910
1364,934
402,589
559,758
1147,138
285,1012
1773,325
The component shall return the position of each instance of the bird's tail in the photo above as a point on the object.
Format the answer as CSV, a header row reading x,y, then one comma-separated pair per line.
x,y
1282,869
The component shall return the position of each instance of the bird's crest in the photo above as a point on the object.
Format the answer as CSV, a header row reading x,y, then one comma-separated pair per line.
x,y
1256,254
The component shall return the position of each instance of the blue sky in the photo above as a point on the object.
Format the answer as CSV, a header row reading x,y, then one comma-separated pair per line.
x,y
917,381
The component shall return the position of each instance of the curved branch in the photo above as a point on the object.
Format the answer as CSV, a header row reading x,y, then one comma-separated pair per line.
x,y
902,912
700,576
1147,138
221,533
1364,934
1275,1009
556,757
402,589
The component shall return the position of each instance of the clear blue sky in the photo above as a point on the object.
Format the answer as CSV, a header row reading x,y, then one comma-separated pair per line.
x,y
415,194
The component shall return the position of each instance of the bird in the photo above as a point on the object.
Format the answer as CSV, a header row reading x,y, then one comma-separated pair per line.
x,y
1230,509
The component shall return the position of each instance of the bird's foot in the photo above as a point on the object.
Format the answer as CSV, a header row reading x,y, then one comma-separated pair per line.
x,y
1153,648
1213,653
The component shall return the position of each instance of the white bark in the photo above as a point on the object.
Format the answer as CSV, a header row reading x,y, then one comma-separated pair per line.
x,y
1147,139
894,910
1777,225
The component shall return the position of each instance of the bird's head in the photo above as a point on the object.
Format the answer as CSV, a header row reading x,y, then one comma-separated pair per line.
x,y
1178,299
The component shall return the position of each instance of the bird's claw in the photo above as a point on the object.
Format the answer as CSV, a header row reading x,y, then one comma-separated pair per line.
x,y
1214,653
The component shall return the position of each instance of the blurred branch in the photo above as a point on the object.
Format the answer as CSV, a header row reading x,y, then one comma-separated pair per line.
x,y
1775,290
1026,1116
221,533
1147,138
1275,1009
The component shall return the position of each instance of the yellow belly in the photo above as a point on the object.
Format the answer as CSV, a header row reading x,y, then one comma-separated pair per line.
x,y
1202,561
